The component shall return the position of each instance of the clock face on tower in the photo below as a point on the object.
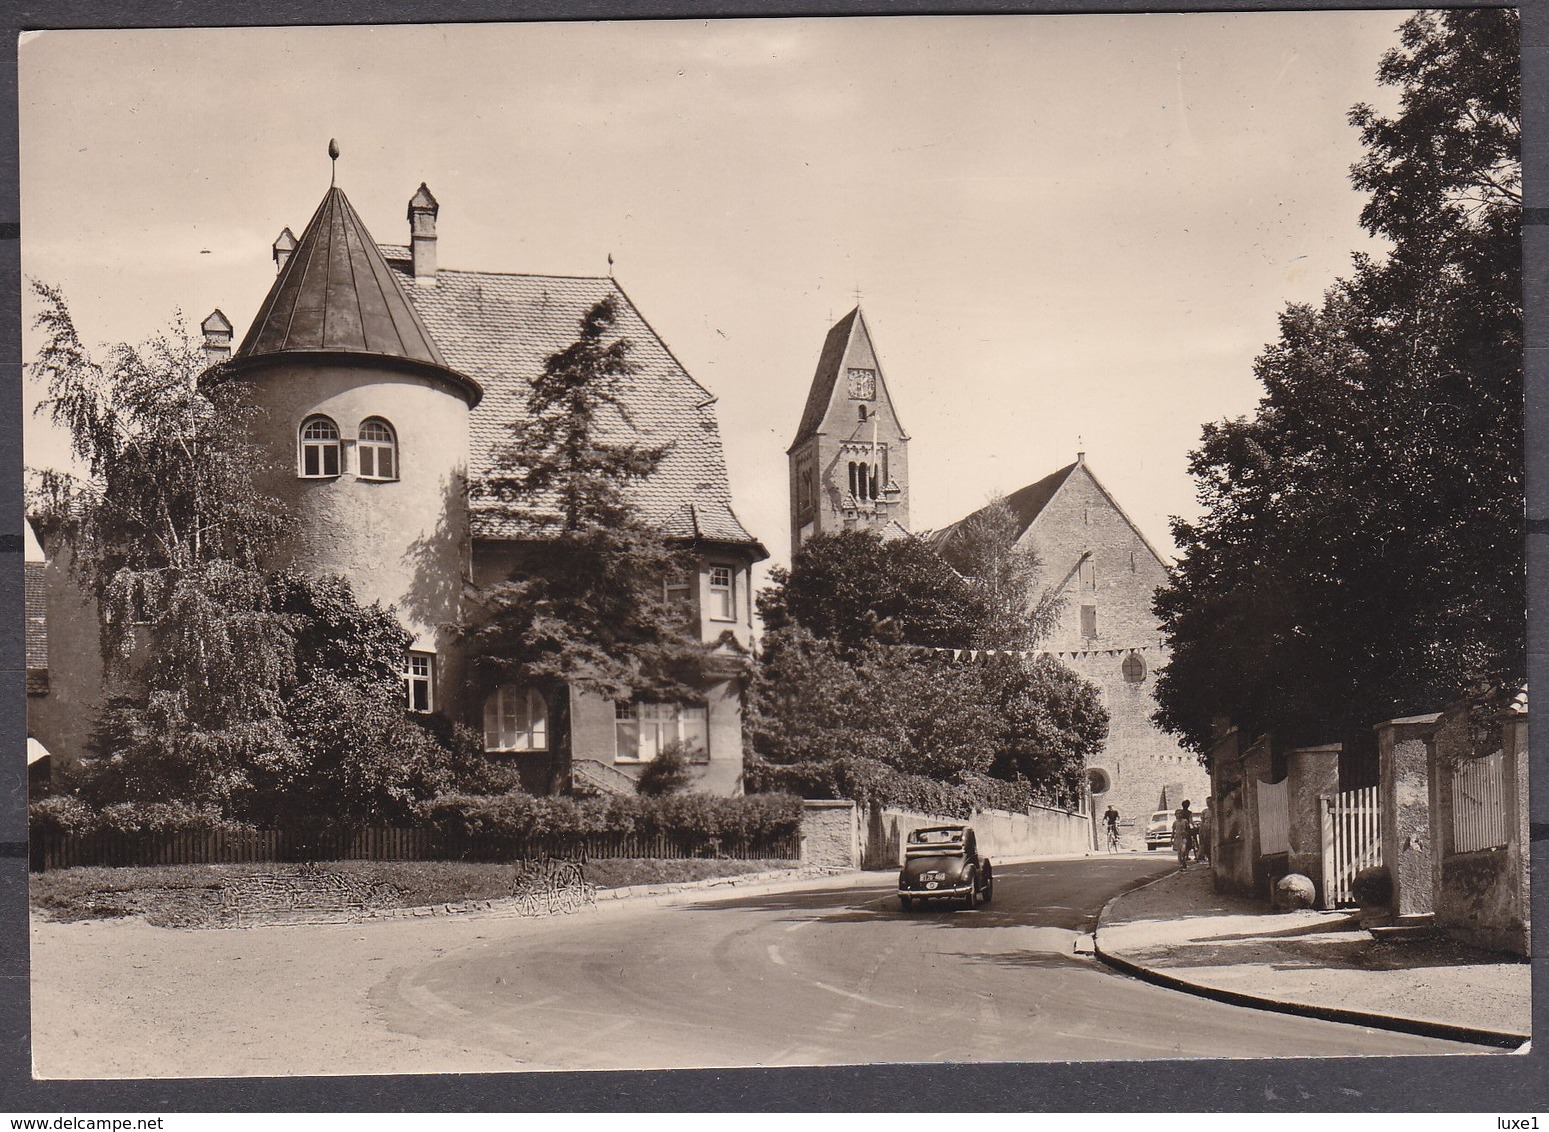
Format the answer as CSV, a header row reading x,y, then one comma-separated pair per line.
x,y
863,384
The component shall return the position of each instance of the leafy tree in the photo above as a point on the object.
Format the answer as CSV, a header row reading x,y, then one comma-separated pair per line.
x,y
843,698
167,531
1008,611
585,605
852,587
1361,553
237,691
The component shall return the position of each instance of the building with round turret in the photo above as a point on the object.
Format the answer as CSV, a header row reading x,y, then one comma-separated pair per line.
x,y
370,424
386,386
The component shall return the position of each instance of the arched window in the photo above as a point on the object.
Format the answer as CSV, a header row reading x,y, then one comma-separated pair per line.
x,y
863,480
863,414
378,450
319,448
516,719
855,487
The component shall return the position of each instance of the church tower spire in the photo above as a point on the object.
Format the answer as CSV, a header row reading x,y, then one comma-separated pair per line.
x,y
849,463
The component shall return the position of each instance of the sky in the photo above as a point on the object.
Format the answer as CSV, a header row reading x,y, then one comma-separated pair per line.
x,y
1064,230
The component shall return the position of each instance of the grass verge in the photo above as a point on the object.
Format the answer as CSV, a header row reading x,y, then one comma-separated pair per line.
x,y
176,896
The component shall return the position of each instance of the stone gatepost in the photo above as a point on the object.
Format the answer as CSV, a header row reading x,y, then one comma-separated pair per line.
x,y
1311,772
1404,752
1257,763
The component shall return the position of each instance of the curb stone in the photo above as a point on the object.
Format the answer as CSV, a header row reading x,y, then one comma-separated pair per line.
x,y
1421,1027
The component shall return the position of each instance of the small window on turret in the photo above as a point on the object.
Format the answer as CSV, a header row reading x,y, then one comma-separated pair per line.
x,y
378,450
319,448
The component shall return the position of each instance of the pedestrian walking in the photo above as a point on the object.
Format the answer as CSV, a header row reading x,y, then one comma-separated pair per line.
x,y
1181,825
1191,829
1207,824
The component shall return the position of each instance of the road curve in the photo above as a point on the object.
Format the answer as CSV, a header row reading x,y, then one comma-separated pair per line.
x,y
838,976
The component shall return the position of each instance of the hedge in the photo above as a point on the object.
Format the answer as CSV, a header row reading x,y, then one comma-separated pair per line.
x,y
519,817
755,818
869,781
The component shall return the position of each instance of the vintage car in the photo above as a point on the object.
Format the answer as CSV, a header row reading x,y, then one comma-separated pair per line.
x,y
1159,830
942,862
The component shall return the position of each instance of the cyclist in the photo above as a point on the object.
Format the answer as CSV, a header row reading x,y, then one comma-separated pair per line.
x,y
1111,823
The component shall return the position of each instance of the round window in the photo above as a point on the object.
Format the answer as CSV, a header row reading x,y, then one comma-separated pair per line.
x,y
1134,668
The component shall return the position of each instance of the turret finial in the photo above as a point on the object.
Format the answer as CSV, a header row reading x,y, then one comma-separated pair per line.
x,y
333,156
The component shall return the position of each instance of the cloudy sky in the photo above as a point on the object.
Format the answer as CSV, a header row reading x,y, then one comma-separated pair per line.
x,y
1060,227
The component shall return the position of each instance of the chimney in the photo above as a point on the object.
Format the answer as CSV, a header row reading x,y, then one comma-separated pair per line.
x,y
422,235
284,244
217,337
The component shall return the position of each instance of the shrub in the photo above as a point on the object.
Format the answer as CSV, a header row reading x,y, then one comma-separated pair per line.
x,y
504,822
61,815
667,773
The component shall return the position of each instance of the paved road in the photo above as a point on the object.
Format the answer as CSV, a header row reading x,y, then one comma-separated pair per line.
x,y
839,976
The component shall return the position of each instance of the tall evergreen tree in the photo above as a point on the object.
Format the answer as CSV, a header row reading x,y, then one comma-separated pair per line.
x,y
586,604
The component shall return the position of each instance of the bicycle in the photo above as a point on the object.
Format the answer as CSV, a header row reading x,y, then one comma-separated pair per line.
x,y
1113,839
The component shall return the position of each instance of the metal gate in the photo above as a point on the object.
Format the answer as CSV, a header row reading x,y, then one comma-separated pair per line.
x,y
1352,840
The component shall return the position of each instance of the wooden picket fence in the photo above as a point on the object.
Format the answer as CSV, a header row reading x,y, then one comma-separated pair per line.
x,y
50,851
1352,840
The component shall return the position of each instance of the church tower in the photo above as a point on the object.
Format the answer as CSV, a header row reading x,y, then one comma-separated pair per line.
x,y
849,463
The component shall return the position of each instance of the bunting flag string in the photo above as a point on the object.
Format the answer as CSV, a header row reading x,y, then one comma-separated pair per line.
x,y
974,655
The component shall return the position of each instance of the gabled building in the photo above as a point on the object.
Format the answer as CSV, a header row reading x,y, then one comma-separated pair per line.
x,y
1106,573
849,463
390,385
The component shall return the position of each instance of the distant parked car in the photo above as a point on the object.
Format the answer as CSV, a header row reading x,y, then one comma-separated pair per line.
x,y
942,862
1159,830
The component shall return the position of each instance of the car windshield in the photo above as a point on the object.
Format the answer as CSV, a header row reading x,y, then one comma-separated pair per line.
x,y
935,836
1161,815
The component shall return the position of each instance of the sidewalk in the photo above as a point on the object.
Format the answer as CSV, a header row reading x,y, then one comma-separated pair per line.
x,y
1179,932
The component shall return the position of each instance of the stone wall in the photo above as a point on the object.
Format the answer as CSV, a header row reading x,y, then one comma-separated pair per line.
x,y
1482,897
1000,833
830,834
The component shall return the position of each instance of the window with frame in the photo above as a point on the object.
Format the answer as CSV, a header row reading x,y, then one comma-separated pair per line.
x,y
1089,621
1134,668
723,594
419,679
377,450
516,719
678,589
643,730
320,449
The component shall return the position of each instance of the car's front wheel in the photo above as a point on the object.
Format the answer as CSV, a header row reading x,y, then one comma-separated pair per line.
x,y
971,901
989,889
906,903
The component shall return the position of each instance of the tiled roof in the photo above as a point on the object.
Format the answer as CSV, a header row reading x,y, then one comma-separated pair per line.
x,y
1025,503
337,295
35,600
500,328
822,391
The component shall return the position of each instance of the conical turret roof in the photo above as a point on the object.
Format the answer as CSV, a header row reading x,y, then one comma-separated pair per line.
x,y
336,295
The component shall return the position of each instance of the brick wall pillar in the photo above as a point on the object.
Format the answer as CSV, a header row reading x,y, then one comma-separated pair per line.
x,y
1311,772
1406,792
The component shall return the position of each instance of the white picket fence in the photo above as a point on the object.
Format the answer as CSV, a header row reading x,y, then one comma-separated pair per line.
x,y
1352,840
1479,804
1274,818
